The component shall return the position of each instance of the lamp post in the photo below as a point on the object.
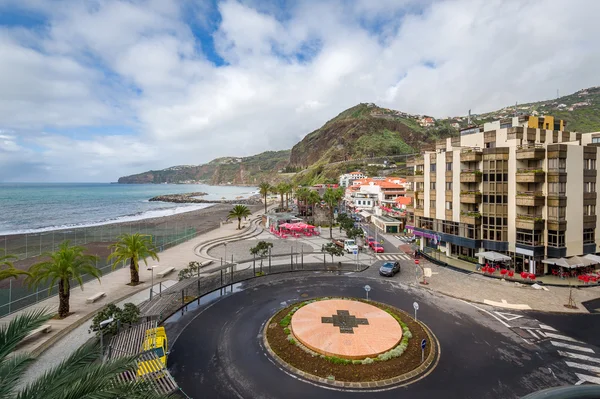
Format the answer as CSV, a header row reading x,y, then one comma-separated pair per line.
x,y
103,324
225,245
151,268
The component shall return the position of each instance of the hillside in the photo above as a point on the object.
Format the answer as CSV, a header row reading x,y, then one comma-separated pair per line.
x,y
365,131
229,170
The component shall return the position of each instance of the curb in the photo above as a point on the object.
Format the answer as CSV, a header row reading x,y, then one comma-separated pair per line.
x,y
410,377
218,240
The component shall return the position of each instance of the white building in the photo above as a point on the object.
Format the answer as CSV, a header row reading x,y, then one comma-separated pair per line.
x,y
347,179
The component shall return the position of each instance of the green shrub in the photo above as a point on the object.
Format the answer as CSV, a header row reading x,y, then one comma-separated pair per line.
x,y
367,361
286,331
286,321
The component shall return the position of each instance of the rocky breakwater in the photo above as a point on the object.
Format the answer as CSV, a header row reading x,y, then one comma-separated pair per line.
x,y
192,198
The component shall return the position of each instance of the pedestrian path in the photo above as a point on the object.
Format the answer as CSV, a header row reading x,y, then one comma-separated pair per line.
x,y
393,256
580,357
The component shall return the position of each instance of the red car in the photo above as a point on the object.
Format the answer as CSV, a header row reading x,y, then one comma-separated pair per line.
x,y
370,241
378,248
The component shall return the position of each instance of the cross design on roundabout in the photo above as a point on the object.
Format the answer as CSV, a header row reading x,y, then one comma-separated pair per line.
x,y
345,321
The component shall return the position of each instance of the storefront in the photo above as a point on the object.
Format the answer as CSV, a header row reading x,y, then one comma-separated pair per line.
x,y
387,224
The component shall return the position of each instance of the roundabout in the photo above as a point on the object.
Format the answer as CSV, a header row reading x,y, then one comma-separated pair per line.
x,y
218,350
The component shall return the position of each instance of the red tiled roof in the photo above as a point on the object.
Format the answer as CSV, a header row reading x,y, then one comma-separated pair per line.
x,y
403,200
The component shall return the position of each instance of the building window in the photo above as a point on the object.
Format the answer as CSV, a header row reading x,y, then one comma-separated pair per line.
x,y
432,167
432,204
448,166
556,239
590,187
432,185
449,186
589,210
450,227
559,164
590,164
589,236
595,139
529,237
556,212
557,188
449,205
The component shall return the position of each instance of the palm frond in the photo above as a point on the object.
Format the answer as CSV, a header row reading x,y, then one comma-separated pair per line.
x,y
11,370
18,328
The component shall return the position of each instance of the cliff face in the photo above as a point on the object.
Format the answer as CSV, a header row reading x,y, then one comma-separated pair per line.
x,y
237,171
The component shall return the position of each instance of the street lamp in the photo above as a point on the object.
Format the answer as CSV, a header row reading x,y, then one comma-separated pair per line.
x,y
151,269
103,324
225,244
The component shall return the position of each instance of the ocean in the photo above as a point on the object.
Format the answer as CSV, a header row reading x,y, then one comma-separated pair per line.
x,y
36,207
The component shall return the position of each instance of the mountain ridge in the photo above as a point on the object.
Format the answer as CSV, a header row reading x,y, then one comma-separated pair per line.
x,y
362,131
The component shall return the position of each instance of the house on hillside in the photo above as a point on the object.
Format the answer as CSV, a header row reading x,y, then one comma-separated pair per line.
x,y
427,121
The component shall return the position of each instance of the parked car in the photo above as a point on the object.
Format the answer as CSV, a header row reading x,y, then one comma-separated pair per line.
x,y
378,248
370,241
389,269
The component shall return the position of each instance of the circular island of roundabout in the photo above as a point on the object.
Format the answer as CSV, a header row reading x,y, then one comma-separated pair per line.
x,y
349,343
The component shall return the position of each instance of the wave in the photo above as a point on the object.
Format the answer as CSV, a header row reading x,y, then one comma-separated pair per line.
x,y
150,214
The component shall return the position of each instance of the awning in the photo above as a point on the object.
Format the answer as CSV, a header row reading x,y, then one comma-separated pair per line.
x,y
365,214
493,256
571,263
593,258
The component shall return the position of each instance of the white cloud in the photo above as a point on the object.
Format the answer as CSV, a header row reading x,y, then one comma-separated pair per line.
x,y
138,64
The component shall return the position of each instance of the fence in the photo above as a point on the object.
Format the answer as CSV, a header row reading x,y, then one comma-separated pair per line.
x,y
14,295
188,292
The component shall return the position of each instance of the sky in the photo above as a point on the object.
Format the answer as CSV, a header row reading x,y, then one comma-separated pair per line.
x,y
98,89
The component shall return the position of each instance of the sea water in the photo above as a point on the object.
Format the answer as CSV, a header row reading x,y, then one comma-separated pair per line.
x,y
35,207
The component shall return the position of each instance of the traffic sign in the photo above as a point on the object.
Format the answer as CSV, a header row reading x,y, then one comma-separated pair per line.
x,y
416,261
367,288
423,343
355,252
416,306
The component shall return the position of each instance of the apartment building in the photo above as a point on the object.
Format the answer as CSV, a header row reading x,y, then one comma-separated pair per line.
x,y
521,186
347,179
370,193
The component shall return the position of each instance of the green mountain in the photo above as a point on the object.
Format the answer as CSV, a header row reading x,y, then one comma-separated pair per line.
x,y
364,131
228,170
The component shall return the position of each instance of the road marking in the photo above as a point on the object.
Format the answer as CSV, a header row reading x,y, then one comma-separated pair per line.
x,y
508,316
490,313
587,378
515,306
593,369
532,333
563,337
545,327
578,356
572,347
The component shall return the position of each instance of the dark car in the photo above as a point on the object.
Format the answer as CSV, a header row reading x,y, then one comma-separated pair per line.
x,y
389,269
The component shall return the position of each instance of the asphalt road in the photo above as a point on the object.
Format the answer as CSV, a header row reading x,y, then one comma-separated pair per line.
x,y
215,350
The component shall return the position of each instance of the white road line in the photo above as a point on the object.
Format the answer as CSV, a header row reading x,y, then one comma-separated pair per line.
x,y
563,337
491,314
572,347
593,369
578,356
587,378
545,327
532,333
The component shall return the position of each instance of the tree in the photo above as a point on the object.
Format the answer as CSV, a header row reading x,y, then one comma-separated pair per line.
x,y
289,189
261,249
345,222
7,268
130,314
132,247
312,199
333,250
281,190
332,197
238,212
355,232
81,375
264,189
302,196
66,264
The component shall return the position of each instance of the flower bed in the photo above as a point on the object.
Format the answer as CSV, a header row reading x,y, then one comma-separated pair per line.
x,y
403,358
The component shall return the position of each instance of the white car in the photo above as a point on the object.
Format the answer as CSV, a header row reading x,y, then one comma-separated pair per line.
x,y
350,246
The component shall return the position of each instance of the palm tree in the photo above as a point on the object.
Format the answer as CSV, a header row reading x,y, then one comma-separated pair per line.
x,y
312,199
332,197
132,247
288,191
81,375
302,196
238,212
7,268
265,188
65,264
281,189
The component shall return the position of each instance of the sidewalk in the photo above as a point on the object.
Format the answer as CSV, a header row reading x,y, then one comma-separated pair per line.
x,y
114,285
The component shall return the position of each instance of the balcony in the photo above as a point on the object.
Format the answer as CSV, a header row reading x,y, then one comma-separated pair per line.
x,y
448,214
470,217
420,160
419,177
557,225
529,222
419,212
527,175
590,196
589,219
471,154
557,200
470,197
531,151
514,133
470,176
530,198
